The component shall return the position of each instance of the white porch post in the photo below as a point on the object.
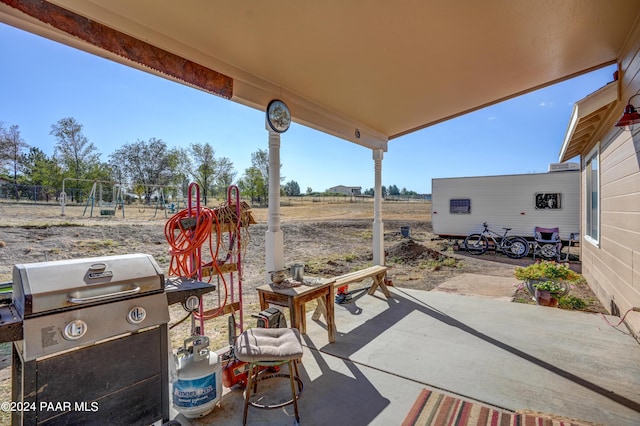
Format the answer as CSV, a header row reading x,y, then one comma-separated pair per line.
x,y
378,226
274,242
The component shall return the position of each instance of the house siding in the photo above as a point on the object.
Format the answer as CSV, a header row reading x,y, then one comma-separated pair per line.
x,y
612,268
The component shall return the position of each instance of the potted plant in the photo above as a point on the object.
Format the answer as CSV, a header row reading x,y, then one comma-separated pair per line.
x,y
547,280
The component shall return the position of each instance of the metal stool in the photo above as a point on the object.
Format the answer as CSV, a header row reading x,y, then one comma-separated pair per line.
x,y
269,347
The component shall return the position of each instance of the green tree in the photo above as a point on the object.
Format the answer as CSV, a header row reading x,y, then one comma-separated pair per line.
x,y
39,169
180,170
251,184
76,154
260,161
145,162
204,167
292,188
309,190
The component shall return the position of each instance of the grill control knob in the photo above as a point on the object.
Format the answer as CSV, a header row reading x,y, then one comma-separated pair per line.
x,y
136,315
75,330
192,303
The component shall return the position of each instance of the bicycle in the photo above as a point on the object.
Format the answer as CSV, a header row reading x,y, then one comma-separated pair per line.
x,y
513,246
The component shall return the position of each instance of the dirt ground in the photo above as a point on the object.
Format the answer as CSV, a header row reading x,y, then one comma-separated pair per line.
x,y
329,238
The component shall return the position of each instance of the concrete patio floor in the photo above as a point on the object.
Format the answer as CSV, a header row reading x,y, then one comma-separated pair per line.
x,y
486,349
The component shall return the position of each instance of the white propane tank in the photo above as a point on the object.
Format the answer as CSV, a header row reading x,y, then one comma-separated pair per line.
x,y
198,385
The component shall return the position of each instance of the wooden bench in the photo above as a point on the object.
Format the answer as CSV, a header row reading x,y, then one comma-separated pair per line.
x,y
376,273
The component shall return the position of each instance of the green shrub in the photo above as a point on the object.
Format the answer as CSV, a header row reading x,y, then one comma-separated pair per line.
x,y
571,302
546,270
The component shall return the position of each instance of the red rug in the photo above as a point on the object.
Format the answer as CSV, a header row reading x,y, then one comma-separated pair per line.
x,y
436,409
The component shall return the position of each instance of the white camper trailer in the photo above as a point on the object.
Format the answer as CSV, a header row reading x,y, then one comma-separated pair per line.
x,y
521,202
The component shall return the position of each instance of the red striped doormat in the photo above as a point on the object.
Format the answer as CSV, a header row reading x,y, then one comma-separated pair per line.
x,y
436,409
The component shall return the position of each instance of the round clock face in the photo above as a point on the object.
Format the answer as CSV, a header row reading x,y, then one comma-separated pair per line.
x,y
278,116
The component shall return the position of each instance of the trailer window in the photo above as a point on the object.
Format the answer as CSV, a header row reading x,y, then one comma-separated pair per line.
x,y
460,206
548,201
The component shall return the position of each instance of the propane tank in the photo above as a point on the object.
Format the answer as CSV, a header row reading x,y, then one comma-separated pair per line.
x,y
198,383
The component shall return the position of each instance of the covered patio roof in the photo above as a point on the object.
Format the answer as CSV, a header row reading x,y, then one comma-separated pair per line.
x,y
384,68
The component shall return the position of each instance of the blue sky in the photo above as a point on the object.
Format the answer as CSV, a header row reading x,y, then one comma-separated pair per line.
x,y
43,81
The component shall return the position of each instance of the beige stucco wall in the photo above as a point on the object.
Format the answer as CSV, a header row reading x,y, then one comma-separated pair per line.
x,y
612,266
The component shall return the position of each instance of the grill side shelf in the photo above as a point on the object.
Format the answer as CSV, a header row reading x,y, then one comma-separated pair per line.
x,y
10,324
179,289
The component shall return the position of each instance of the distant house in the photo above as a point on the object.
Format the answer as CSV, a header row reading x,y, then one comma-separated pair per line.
x,y
610,182
346,190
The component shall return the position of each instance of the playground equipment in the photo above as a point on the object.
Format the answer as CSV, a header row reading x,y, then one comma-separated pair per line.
x,y
161,200
163,204
164,197
106,208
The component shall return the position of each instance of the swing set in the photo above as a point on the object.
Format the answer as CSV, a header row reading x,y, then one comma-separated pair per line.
x,y
161,201
96,197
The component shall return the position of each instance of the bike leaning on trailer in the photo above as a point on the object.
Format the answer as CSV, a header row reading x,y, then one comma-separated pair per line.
x,y
513,246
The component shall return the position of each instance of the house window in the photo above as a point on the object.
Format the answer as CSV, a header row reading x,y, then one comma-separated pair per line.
x,y
548,201
460,206
592,196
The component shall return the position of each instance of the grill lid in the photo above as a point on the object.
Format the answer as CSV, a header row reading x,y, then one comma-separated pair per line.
x,y
47,286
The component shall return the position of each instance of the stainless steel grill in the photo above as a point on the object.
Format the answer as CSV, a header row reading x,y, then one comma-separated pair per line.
x,y
94,341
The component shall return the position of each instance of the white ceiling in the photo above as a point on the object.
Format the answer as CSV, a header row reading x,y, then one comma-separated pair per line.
x,y
386,68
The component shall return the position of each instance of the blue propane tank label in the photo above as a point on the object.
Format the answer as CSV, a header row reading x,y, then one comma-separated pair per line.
x,y
194,393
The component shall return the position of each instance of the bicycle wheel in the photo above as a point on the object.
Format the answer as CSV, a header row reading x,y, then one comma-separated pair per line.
x,y
515,247
476,243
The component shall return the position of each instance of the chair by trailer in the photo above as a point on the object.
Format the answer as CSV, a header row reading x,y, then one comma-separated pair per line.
x,y
547,243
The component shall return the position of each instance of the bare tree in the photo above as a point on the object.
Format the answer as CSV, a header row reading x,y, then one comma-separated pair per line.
x,y
225,174
11,147
213,174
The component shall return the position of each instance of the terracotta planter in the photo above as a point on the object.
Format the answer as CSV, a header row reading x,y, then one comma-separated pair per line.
x,y
545,298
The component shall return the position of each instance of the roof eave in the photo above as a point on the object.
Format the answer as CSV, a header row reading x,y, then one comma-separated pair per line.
x,y
590,110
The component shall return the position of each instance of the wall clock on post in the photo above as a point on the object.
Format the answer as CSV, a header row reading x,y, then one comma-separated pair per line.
x,y
278,116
